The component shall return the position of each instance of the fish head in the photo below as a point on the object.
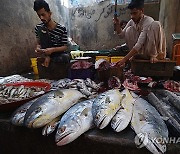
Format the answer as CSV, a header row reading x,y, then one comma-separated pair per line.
x,y
101,120
119,121
33,117
17,118
40,113
67,132
156,145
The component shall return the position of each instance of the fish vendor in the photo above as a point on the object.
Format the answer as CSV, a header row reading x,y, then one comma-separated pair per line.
x,y
144,36
51,36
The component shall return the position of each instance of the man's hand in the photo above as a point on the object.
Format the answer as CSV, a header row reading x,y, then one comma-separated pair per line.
x,y
40,51
46,61
117,26
119,63
48,51
153,60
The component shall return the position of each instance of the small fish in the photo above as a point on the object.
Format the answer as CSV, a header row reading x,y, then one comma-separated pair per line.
x,y
17,118
50,127
51,105
105,107
123,117
77,120
149,126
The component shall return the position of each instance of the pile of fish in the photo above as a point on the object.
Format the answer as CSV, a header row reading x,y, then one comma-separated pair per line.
x,y
64,110
87,87
16,93
13,79
168,105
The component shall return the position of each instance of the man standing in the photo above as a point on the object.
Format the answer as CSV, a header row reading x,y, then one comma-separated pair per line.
x,y
144,36
51,36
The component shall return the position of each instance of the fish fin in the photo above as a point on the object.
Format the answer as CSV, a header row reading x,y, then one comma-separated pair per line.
x,y
58,93
108,100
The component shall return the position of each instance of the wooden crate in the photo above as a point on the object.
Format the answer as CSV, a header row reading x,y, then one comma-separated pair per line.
x,y
163,68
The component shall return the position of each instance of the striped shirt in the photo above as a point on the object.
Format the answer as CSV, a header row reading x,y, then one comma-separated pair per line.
x,y
58,36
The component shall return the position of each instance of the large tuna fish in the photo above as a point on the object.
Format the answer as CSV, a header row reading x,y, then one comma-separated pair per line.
x,y
50,106
77,120
105,107
149,127
123,117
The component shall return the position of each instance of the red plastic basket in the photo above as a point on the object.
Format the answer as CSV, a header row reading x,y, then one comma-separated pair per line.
x,y
13,105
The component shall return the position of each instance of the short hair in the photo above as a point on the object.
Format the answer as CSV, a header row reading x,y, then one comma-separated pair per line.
x,y
39,4
138,4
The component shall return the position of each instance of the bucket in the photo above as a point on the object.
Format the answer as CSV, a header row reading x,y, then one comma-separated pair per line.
x,y
34,65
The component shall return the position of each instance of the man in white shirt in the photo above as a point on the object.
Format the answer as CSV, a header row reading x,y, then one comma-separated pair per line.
x,y
144,36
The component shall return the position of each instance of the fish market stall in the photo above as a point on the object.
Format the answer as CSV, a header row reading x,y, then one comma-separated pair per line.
x,y
85,116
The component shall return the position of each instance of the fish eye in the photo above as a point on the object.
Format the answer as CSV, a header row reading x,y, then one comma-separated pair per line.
x,y
97,117
62,129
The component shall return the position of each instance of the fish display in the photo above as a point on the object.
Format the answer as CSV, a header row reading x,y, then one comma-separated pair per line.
x,y
17,118
50,106
166,109
77,120
149,126
63,112
123,117
105,107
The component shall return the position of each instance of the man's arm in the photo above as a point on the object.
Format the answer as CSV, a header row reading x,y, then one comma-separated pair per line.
x,y
118,28
49,51
132,53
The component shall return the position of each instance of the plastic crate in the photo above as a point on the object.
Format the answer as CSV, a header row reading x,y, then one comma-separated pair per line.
x,y
163,68
103,57
115,59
